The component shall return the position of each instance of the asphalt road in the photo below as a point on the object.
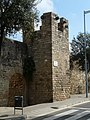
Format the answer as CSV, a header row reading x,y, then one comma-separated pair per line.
x,y
79,112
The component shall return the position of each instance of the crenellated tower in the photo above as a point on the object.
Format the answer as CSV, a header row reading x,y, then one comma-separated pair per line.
x,y
50,52
51,56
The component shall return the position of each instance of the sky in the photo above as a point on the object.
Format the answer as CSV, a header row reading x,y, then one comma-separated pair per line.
x,y
72,10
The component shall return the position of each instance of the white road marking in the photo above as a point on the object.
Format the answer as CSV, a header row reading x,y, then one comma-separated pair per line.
x,y
60,115
79,115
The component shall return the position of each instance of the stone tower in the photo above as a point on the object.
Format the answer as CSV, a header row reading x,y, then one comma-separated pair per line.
x,y
51,56
50,52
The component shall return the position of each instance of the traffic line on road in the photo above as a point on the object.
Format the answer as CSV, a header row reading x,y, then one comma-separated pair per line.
x,y
77,116
81,108
60,115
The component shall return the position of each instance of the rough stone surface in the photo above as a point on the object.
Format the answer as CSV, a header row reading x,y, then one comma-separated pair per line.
x,y
11,69
77,79
51,57
60,56
51,79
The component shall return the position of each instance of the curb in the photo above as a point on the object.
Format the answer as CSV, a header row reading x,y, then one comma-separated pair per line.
x,y
65,107
9,117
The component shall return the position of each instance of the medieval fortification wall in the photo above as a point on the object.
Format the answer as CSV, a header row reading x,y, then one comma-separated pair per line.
x,y
50,80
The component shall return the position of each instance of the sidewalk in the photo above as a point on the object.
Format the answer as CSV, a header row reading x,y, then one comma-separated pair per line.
x,y
46,108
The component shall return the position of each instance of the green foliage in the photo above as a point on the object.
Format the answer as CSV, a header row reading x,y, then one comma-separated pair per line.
x,y
16,15
78,44
78,49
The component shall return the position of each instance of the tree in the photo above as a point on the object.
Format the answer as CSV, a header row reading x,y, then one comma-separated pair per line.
x,y
16,15
78,49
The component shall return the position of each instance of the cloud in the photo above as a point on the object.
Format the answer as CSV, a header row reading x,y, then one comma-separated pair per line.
x,y
45,6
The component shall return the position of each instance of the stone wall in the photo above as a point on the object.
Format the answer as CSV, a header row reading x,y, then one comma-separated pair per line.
x,y
41,85
11,72
77,78
60,59
50,52
51,56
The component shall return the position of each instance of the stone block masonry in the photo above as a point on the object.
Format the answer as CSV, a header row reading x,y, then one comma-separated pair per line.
x,y
77,78
51,56
12,82
60,59
50,52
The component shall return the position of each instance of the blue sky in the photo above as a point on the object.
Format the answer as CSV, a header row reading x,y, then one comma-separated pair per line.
x,y
71,10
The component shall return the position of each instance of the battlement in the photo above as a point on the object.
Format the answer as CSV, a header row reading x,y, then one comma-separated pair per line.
x,y
49,20
49,81
63,24
49,46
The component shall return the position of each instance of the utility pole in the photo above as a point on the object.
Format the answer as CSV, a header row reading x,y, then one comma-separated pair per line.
x,y
86,78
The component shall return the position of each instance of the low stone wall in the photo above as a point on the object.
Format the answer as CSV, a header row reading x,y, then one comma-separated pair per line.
x,y
77,79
